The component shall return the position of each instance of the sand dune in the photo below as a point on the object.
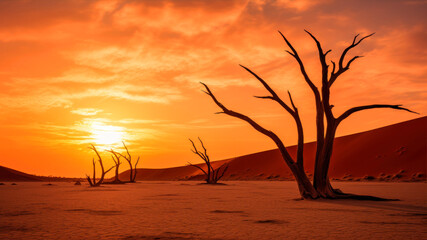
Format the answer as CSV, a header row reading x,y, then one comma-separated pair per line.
x,y
395,152
8,174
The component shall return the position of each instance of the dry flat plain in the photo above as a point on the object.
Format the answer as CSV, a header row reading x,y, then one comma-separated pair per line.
x,y
188,210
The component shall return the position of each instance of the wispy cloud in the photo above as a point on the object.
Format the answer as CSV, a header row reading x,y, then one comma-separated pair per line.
x,y
86,111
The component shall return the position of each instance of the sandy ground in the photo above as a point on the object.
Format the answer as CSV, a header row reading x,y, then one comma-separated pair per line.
x,y
188,210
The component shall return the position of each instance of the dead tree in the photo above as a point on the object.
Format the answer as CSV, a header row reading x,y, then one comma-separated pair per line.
x,y
321,187
128,158
93,182
212,175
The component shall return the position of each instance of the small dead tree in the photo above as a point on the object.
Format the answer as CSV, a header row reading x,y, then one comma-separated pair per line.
x,y
93,182
212,175
128,158
321,187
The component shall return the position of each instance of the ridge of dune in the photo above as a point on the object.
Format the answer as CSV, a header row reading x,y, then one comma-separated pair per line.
x,y
394,152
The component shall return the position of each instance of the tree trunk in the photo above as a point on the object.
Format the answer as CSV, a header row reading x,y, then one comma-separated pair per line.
x,y
321,177
133,179
305,187
131,173
116,179
320,126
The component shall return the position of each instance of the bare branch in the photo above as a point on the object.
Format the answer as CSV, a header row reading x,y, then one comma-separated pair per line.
x,y
302,68
322,58
361,108
109,169
293,55
123,156
319,47
201,155
353,44
137,161
208,161
116,156
127,151
351,60
96,151
363,38
190,164
265,97
255,125
341,68
333,68
292,102
223,172
203,146
114,159
273,96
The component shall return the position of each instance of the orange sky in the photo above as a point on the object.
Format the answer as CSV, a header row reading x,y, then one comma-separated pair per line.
x,y
79,72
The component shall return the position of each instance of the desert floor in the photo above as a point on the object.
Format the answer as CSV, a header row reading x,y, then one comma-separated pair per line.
x,y
188,210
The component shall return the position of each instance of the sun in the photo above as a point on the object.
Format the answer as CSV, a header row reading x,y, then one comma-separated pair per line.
x,y
106,135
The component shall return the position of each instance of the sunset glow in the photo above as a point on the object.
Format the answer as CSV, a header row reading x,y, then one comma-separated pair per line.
x,y
108,136
75,73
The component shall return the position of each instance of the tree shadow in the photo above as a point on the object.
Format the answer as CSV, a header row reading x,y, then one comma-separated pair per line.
x,y
393,206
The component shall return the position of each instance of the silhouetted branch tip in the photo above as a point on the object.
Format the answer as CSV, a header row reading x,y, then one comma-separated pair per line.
x,y
264,97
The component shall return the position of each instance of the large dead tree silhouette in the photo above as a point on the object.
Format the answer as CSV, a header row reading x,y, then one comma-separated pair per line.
x,y
321,187
93,182
128,158
212,176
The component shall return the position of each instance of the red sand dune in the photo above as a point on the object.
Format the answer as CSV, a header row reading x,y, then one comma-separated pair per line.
x,y
383,151
8,174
